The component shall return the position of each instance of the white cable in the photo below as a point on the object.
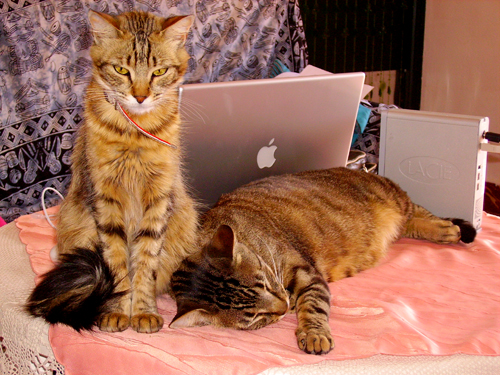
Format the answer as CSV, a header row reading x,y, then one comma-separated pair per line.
x,y
490,147
43,204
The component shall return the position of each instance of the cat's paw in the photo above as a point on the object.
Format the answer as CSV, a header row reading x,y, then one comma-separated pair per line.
x,y
147,322
315,340
446,232
113,322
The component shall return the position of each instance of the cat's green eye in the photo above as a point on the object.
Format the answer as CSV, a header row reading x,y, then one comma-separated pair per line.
x,y
160,72
121,70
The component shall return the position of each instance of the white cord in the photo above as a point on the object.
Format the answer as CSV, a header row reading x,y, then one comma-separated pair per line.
x,y
490,147
43,204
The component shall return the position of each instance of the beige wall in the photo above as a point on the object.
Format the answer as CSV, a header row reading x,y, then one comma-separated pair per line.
x,y
461,66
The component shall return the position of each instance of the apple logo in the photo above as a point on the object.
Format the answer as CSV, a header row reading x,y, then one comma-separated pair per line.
x,y
265,156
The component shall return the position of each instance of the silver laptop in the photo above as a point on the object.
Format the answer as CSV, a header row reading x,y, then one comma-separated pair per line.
x,y
240,131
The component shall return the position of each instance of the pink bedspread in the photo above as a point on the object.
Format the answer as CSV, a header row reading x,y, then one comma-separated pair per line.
x,y
422,299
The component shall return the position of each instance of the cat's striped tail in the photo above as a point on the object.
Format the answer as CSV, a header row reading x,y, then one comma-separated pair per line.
x,y
76,292
467,230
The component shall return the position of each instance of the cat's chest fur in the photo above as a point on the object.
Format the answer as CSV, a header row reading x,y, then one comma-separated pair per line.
x,y
131,167
135,166
130,156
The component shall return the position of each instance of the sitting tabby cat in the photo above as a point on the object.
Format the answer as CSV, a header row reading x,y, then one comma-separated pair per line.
x,y
271,246
127,220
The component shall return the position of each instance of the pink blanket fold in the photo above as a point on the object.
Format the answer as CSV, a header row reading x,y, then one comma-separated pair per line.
x,y
422,299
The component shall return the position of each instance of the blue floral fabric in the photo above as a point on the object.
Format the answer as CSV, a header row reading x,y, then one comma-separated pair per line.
x,y
45,67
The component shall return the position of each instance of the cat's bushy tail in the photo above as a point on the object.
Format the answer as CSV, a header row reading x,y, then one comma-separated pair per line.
x,y
76,292
467,231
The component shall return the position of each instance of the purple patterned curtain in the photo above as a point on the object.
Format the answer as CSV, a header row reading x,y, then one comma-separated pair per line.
x,y
45,66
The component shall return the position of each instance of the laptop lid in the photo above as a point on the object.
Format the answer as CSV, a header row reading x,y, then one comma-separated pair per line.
x,y
236,132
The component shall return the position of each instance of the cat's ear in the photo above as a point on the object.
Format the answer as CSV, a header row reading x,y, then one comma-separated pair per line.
x,y
187,317
177,28
103,26
222,244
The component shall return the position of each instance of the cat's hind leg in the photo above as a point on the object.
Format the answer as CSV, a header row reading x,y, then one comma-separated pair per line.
x,y
76,228
424,225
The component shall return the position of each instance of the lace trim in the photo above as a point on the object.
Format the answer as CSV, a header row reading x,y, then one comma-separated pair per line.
x,y
24,343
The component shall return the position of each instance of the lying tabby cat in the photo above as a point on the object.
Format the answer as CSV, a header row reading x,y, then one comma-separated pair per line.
x,y
271,246
127,221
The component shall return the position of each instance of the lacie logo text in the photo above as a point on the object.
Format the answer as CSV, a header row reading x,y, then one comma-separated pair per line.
x,y
429,170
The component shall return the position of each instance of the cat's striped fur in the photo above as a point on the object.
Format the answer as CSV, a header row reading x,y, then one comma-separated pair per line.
x,y
127,220
271,247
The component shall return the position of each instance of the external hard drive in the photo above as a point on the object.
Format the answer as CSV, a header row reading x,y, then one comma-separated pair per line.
x,y
437,159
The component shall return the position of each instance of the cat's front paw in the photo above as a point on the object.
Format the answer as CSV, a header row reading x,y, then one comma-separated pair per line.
x,y
315,340
147,322
113,322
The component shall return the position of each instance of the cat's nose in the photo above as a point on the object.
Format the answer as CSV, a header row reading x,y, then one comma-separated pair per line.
x,y
140,99
283,308
280,307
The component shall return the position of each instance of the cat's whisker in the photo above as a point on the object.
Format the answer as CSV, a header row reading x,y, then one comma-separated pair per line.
x,y
98,93
192,111
255,319
282,274
170,99
270,254
277,277
97,32
276,270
